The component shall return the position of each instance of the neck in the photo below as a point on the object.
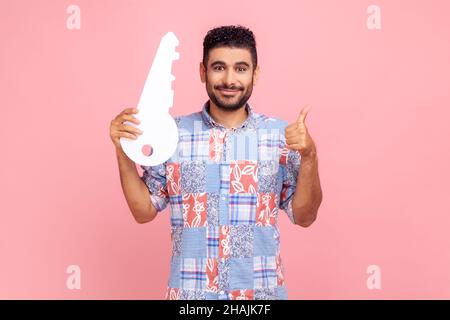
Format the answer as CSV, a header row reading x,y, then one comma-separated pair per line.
x,y
228,119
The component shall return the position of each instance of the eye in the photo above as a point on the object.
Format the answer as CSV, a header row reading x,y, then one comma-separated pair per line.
x,y
242,69
217,67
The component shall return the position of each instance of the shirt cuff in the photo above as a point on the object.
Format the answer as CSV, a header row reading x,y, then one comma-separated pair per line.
x,y
158,202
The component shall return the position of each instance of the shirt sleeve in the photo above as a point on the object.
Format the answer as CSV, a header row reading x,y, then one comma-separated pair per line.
x,y
155,179
290,169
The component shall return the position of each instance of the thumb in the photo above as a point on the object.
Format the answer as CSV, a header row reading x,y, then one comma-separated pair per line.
x,y
302,116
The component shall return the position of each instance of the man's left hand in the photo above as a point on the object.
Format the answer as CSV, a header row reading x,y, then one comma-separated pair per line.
x,y
298,138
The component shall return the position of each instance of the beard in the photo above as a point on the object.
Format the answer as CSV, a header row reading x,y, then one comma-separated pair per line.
x,y
227,104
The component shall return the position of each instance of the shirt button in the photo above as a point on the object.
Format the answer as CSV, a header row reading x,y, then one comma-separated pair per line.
x,y
222,292
223,198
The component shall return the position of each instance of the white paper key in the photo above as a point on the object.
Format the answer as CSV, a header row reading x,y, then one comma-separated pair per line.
x,y
160,131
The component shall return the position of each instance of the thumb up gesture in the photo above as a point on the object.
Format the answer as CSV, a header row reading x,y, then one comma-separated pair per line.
x,y
297,136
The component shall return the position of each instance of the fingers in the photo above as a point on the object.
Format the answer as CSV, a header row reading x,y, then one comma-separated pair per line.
x,y
294,146
126,115
129,111
303,114
293,140
124,134
128,128
130,118
294,130
126,131
119,129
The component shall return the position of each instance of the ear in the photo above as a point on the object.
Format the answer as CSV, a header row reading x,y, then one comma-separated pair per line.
x,y
255,75
202,72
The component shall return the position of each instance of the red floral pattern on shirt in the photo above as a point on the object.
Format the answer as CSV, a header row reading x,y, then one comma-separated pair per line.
x,y
212,275
243,176
216,141
280,273
244,294
173,294
224,242
173,178
194,210
266,209
284,155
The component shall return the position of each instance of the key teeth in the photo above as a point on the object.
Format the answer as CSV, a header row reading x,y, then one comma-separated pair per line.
x,y
176,55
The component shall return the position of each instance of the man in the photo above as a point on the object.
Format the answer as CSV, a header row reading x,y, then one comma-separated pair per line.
x,y
232,171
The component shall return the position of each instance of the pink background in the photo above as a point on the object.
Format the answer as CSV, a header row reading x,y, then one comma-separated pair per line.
x,y
380,109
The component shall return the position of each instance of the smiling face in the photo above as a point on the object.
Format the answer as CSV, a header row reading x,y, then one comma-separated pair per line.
x,y
229,77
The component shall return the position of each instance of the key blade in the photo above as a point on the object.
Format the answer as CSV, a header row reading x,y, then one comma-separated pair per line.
x,y
158,85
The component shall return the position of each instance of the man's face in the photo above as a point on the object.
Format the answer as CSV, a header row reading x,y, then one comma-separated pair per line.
x,y
229,77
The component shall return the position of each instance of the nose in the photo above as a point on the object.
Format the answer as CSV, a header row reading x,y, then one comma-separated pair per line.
x,y
229,79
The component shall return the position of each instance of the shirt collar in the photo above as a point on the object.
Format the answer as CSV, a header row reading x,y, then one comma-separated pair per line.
x,y
250,122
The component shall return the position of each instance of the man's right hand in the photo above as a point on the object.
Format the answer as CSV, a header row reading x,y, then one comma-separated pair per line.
x,y
134,188
118,129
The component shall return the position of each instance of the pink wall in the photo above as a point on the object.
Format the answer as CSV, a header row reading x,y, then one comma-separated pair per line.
x,y
380,113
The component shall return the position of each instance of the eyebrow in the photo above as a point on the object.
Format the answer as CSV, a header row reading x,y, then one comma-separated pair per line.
x,y
219,62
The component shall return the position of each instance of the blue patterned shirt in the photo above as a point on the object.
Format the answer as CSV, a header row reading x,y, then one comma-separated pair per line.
x,y
225,188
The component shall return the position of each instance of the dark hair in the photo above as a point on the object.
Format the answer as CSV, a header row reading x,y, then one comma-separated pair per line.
x,y
230,36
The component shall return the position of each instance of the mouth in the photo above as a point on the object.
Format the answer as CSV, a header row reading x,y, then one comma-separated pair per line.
x,y
228,92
